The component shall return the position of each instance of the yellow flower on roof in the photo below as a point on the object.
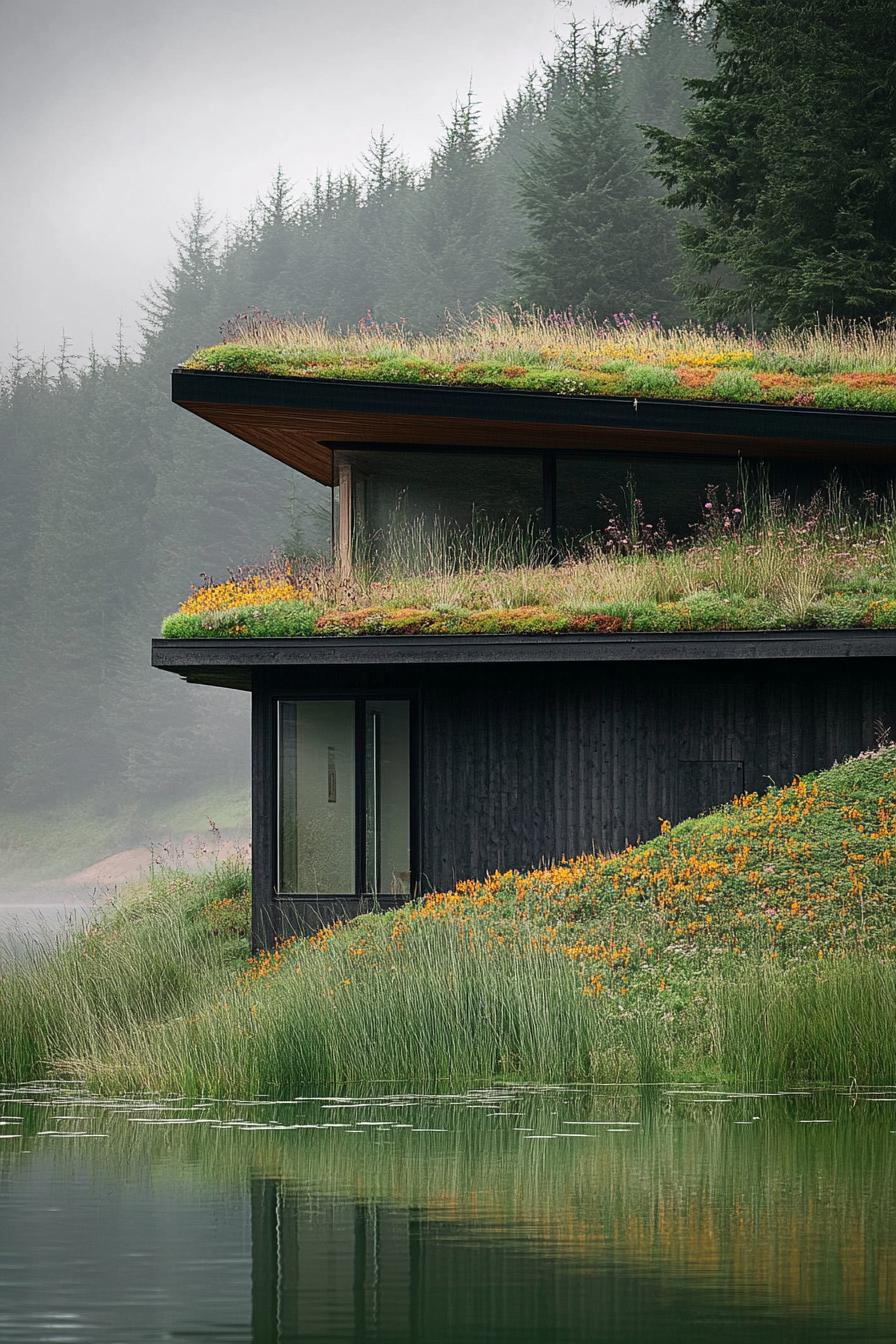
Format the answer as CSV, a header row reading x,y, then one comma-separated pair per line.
x,y
256,589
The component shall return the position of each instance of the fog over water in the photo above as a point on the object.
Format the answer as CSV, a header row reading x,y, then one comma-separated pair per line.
x,y
122,114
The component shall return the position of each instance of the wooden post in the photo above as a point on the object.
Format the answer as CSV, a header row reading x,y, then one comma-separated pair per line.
x,y
344,539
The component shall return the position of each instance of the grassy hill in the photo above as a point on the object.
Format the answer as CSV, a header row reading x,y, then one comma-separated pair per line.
x,y
756,942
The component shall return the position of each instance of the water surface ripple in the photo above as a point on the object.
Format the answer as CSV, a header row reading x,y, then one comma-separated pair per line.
x,y
523,1213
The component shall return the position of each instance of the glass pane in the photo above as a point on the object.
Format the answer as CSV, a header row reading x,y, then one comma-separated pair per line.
x,y
414,509
388,810
317,797
595,487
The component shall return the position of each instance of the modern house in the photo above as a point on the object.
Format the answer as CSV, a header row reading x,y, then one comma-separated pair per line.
x,y
386,765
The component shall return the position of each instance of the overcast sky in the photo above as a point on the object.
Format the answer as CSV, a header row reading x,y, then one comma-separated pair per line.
x,y
116,113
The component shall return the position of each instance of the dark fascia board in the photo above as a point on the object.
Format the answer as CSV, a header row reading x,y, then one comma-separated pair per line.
x,y
876,428
231,662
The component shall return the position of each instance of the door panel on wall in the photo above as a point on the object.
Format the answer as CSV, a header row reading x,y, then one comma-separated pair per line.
x,y
388,798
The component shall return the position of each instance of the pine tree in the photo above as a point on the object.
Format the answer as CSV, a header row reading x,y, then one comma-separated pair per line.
x,y
598,240
449,261
788,158
669,49
176,311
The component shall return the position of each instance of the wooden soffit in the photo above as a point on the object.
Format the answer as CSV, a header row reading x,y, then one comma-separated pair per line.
x,y
304,433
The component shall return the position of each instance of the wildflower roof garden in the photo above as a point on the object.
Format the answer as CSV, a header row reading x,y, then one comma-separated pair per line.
x,y
839,367
297,391
796,572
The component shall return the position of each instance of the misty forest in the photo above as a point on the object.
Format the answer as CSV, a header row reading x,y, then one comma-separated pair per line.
x,y
599,190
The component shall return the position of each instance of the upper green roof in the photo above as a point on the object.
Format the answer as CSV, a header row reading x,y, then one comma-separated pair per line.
x,y
833,368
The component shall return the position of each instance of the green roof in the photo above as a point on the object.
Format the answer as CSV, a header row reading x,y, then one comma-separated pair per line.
x,y
833,368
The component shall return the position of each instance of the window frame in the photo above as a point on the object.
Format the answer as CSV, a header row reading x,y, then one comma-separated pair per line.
x,y
360,700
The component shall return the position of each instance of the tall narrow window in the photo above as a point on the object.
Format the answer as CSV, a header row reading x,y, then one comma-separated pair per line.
x,y
344,797
388,798
317,797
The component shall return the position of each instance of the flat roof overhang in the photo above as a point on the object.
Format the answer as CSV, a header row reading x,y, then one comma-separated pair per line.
x,y
232,662
300,421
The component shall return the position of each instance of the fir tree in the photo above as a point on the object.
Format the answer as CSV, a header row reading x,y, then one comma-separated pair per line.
x,y
788,158
667,51
177,309
599,241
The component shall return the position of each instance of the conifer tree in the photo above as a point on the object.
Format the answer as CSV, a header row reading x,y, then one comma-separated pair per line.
x,y
787,158
176,310
599,241
669,49
449,262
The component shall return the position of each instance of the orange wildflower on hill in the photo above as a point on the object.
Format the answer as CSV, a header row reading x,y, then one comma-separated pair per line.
x,y
801,872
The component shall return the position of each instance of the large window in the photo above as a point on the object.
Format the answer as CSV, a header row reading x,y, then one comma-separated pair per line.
x,y
594,488
344,797
407,509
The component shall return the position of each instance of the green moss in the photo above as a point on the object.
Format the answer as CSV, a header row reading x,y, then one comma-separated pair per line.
x,y
836,397
644,381
736,385
273,620
698,612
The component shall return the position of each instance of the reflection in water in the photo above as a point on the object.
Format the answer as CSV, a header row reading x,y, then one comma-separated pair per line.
x,y
336,1270
509,1213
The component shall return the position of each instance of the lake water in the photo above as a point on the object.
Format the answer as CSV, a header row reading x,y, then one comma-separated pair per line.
x,y
503,1214
26,923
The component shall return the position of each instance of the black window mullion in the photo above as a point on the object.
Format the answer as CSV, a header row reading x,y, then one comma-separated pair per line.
x,y
360,796
415,769
549,495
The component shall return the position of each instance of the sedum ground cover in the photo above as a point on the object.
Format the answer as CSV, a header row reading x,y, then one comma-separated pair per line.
x,y
822,566
758,941
833,367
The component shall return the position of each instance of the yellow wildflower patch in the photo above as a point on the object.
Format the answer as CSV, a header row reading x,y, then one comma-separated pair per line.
x,y
257,589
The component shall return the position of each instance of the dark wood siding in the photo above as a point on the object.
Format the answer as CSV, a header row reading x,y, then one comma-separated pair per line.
x,y
522,765
525,768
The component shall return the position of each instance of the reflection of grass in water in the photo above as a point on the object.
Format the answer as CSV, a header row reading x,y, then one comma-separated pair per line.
x,y
687,1191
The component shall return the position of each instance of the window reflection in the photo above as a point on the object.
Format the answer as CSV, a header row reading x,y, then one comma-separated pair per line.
x,y
416,510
